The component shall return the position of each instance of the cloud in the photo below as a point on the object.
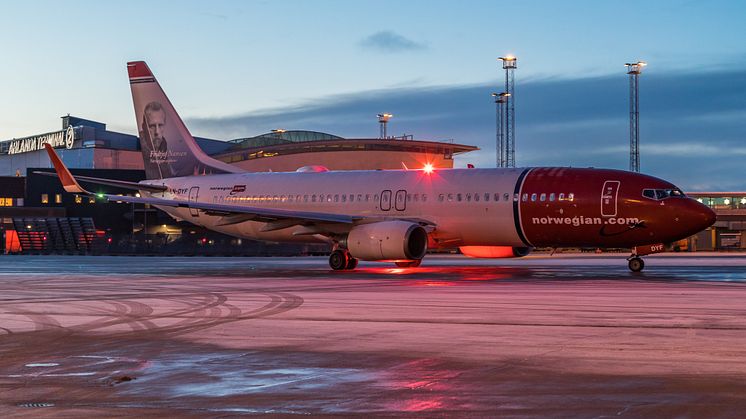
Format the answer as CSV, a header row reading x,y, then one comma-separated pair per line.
x,y
692,133
390,42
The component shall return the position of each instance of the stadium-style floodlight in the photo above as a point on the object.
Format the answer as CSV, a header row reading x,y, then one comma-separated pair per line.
x,y
383,120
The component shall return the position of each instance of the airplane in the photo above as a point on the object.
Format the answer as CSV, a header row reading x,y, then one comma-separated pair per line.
x,y
397,215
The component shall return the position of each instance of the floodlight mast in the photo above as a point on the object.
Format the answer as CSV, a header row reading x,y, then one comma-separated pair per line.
x,y
500,148
634,70
510,63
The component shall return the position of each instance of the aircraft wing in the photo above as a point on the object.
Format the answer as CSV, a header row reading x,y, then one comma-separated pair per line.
x,y
255,213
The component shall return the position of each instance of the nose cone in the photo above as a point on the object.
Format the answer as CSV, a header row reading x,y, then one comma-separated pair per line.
x,y
698,216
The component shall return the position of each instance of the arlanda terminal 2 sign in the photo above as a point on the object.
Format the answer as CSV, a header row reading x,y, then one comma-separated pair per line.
x,y
55,139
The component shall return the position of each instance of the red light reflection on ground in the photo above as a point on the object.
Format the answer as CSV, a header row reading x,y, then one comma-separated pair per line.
x,y
441,276
424,384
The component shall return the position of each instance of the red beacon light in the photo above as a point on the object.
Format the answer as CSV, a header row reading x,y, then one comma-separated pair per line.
x,y
428,168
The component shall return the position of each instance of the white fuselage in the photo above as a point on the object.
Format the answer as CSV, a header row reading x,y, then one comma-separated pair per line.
x,y
467,206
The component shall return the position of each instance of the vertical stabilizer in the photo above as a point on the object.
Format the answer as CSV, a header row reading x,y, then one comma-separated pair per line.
x,y
168,149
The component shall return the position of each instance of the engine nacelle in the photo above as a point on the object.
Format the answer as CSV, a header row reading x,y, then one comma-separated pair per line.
x,y
494,252
388,240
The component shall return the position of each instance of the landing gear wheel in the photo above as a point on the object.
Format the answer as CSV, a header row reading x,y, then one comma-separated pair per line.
x,y
409,264
338,260
351,263
636,264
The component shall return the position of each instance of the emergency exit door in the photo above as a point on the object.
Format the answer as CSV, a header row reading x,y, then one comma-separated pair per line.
x,y
193,195
609,198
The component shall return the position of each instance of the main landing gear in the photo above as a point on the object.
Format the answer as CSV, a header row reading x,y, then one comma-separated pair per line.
x,y
342,260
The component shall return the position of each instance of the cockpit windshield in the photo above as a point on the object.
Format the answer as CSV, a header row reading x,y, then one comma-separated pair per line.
x,y
660,194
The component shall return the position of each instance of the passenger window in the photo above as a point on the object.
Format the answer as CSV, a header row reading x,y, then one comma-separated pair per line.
x,y
497,197
297,198
352,197
551,197
409,197
533,197
344,197
424,197
336,198
543,197
458,197
360,198
506,197
329,198
525,197
468,197
367,197
441,197
571,196
486,197
562,196
476,197
305,198
416,197
313,198
450,197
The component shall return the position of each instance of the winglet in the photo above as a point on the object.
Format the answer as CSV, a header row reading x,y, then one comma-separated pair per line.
x,y
68,181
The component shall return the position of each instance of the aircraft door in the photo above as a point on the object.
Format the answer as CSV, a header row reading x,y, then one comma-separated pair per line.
x,y
400,202
385,203
193,195
609,198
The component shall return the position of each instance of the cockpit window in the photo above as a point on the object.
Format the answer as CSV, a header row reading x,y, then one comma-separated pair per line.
x,y
659,194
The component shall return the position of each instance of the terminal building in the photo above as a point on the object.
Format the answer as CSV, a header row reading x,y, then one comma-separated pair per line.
x,y
38,217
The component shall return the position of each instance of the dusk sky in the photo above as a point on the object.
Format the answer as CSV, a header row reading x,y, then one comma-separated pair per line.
x,y
241,68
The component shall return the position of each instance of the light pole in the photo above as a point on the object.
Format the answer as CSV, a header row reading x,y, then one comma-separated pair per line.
x,y
500,99
510,63
383,120
634,70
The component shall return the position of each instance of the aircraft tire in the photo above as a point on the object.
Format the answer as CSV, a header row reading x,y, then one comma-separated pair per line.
x,y
338,260
351,263
636,264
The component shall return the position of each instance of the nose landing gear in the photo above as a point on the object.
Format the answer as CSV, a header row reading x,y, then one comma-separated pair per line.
x,y
635,263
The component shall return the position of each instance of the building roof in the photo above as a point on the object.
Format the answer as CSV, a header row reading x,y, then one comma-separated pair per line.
x,y
277,137
291,142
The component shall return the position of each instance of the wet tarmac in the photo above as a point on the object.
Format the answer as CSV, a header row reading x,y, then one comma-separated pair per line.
x,y
569,336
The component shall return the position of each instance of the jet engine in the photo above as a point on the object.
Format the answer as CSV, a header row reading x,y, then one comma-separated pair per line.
x,y
495,252
387,240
